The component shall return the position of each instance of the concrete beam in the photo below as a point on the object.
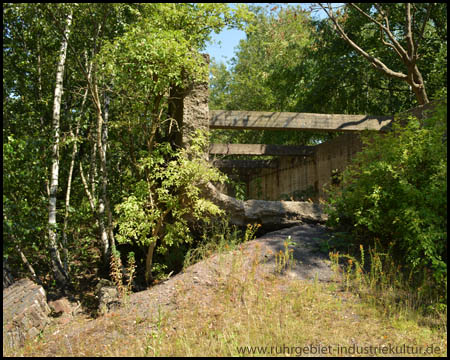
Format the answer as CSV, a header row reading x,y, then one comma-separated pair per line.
x,y
261,120
246,164
260,149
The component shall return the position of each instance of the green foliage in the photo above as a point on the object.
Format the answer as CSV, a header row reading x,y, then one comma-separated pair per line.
x,y
134,54
219,236
147,61
239,188
317,71
161,206
264,75
335,82
395,193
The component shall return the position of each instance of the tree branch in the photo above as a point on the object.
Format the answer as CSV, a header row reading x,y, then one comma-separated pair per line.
x,y
378,64
409,35
399,48
389,44
422,30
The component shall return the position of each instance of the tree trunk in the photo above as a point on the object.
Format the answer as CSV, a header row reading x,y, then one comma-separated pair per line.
x,y
418,85
60,274
156,233
28,265
72,165
105,181
149,262
69,185
98,210
102,203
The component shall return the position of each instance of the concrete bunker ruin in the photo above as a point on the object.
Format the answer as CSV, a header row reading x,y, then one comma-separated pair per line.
x,y
295,172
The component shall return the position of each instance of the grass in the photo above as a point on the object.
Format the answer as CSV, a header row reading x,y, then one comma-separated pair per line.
x,y
247,313
375,277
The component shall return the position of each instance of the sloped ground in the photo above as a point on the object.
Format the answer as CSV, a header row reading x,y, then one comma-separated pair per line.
x,y
261,254
202,277
233,299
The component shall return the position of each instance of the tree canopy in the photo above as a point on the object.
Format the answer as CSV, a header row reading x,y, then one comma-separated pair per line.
x,y
80,142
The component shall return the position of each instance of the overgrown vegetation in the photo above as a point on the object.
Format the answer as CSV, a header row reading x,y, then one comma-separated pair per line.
x,y
393,201
106,142
245,313
90,164
219,237
295,60
161,206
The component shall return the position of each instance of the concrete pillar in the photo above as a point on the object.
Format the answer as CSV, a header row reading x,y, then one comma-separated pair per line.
x,y
195,109
188,108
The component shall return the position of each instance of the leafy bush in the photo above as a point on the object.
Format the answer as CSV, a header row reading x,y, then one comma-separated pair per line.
x,y
395,194
162,205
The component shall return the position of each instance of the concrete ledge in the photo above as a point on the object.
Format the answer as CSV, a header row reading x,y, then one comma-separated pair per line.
x,y
246,164
260,149
262,120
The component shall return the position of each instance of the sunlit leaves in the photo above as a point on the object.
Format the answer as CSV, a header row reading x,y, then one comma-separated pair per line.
x,y
396,191
171,191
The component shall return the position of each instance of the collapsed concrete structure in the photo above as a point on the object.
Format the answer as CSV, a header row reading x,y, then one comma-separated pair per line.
x,y
295,172
189,108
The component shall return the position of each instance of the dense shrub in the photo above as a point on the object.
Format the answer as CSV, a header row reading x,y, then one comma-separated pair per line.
x,y
161,207
395,194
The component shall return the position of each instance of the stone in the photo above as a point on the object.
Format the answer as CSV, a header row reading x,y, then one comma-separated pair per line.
x,y
266,213
64,308
25,312
108,296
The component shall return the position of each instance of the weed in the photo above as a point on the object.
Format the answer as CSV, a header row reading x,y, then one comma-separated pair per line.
x,y
251,231
219,237
382,284
285,260
117,274
242,310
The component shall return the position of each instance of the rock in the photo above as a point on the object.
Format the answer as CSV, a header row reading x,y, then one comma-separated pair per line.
x,y
60,306
108,296
25,312
266,213
64,309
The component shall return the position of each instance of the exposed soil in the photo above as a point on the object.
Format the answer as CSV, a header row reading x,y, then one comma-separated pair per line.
x,y
309,264
200,279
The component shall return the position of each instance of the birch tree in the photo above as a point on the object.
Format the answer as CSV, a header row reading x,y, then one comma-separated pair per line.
x,y
61,276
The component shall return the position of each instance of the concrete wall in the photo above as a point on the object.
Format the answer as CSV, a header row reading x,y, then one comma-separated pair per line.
x,y
189,108
306,177
296,176
195,109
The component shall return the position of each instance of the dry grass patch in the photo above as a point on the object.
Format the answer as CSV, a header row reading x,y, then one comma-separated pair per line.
x,y
245,308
